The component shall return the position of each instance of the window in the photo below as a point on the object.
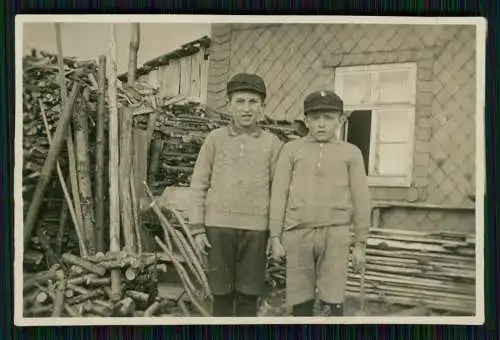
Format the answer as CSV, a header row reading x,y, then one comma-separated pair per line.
x,y
380,101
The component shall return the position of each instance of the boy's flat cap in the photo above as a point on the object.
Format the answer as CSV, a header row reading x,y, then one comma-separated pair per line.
x,y
247,82
323,100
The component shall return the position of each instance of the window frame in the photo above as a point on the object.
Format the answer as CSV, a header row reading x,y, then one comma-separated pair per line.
x,y
376,106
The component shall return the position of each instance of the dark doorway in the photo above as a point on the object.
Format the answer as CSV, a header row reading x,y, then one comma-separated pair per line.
x,y
359,133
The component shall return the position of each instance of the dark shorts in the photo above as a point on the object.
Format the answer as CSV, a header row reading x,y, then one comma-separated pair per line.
x,y
236,260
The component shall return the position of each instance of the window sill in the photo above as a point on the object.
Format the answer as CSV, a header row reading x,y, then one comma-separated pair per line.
x,y
391,182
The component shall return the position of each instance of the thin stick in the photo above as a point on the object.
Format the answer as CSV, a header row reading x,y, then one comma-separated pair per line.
x,y
100,149
191,259
81,128
69,138
198,269
69,203
63,218
185,279
114,197
49,164
185,228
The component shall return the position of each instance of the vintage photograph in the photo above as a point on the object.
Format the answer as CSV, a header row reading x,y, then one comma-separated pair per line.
x,y
206,170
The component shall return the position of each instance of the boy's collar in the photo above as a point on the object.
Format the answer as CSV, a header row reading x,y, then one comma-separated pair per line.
x,y
310,139
236,131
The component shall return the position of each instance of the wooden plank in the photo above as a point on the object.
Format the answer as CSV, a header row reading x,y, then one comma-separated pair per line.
x,y
203,77
185,76
195,76
173,78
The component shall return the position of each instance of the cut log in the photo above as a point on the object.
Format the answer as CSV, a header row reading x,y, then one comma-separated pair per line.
x,y
88,266
59,299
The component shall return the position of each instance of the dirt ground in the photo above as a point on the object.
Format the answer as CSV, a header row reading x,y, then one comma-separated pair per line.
x,y
274,304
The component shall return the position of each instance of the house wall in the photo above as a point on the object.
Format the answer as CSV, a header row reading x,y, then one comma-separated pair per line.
x,y
296,59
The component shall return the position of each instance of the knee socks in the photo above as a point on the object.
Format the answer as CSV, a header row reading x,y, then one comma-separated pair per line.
x,y
304,308
246,305
223,305
235,305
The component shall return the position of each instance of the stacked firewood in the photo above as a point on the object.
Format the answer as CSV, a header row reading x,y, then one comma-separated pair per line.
x,y
41,92
42,109
412,269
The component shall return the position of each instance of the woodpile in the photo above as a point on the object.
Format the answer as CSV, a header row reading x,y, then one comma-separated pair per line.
x,y
42,109
407,268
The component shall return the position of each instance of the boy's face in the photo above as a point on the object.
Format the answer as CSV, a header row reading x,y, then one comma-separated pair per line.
x,y
324,125
245,108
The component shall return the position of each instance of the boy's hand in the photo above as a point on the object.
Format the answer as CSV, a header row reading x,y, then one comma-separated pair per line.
x,y
277,249
202,242
358,256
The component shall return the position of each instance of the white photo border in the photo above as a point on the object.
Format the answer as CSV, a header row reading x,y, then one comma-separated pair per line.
x,y
480,24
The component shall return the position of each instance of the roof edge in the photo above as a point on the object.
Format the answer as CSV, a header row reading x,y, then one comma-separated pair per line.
x,y
185,50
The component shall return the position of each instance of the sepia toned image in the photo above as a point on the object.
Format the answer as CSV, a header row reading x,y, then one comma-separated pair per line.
x,y
220,170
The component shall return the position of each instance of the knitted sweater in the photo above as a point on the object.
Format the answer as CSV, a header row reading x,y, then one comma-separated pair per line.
x,y
232,179
320,184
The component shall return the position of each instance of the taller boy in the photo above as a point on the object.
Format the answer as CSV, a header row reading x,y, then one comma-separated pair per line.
x,y
231,193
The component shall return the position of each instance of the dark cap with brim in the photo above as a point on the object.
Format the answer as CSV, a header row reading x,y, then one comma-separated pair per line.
x,y
247,82
323,101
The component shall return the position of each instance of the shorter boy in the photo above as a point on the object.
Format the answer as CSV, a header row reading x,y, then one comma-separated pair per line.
x,y
319,192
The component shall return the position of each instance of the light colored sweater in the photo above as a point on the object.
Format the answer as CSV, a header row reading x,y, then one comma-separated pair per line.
x,y
232,179
320,184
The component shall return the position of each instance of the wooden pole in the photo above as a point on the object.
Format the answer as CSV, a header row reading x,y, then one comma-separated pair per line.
x,y
50,163
125,165
135,40
100,148
126,149
70,144
67,196
114,197
81,127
